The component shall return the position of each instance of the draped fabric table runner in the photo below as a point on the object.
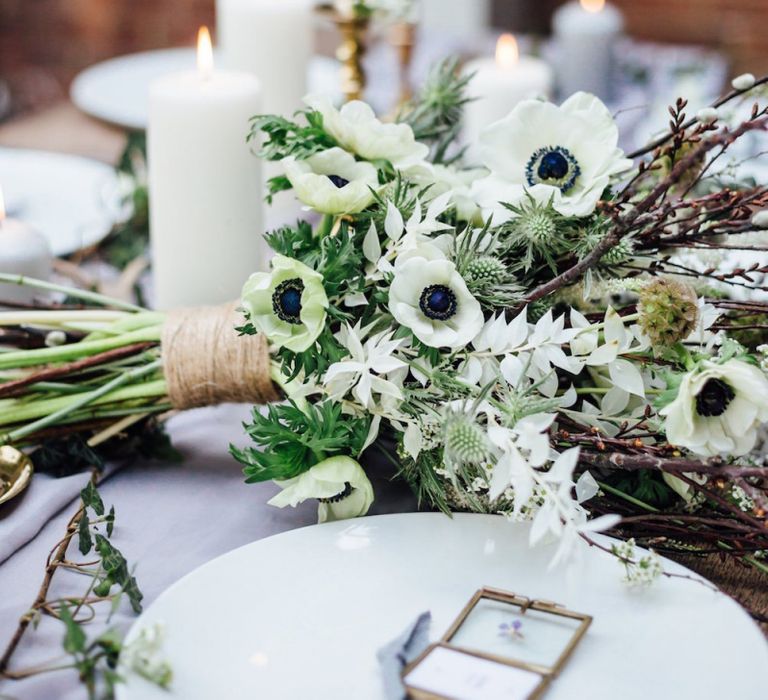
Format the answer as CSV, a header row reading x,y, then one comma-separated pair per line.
x,y
171,518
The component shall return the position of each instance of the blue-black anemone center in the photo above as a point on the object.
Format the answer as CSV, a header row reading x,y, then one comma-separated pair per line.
x,y
338,180
714,398
286,300
552,165
438,302
346,491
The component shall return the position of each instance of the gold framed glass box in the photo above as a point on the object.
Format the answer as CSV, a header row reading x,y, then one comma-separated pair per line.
x,y
502,645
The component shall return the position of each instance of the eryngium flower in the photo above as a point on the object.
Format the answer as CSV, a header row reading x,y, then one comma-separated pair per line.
x,y
718,409
465,441
668,311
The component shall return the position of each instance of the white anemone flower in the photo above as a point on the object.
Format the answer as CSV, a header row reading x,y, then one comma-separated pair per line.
x,y
718,409
332,181
339,483
357,129
566,155
288,305
431,298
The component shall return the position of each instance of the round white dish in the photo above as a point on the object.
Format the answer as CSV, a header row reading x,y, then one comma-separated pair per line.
x,y
302,614
117,90
73,201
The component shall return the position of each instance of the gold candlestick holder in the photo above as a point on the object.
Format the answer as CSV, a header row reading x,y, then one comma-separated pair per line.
x,y
402,36
353,30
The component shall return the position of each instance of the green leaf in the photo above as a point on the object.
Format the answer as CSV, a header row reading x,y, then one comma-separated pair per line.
x,y
116,573
74,637
110,520
292,440
284,137
65,456
91,498
84,540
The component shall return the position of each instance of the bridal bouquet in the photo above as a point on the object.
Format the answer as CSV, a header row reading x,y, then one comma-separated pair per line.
x,y
544,326
536,332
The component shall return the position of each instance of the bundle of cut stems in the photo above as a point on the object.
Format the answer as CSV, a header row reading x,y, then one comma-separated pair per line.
x,y
99,367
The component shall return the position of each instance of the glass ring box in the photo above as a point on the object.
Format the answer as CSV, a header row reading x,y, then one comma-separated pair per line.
x,y
502,646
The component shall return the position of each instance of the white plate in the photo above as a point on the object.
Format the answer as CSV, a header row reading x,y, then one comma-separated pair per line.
x,y
73,201
302,614
117,90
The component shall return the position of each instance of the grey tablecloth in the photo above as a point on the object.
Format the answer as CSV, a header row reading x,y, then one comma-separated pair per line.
x,y
170,519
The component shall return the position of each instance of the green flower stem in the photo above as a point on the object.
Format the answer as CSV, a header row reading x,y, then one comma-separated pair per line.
x,y
604,390
61,318
108,390
131,322
631,499
599,326
326,226
53,406
69,291
73,351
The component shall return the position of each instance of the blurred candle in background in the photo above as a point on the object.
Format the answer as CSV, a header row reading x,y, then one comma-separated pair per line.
x,y
585,38
500,83
205,184
274,40
23,251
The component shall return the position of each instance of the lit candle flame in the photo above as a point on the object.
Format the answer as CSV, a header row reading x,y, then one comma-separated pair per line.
x,y
593,5
507,53
204,53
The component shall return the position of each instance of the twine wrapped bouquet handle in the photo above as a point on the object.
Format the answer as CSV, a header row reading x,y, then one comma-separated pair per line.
x,y
207,363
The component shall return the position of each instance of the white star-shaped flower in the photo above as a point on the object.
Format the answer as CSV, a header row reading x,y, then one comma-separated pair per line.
x,y
363,372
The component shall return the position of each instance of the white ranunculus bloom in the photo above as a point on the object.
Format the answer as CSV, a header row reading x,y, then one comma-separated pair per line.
x,y
718,409
332,181
339,483
356,128
431,298
565,154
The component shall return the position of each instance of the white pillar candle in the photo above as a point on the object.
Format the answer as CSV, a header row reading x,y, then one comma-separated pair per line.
x,y
585,34
205,185
23,251
500,83
273,39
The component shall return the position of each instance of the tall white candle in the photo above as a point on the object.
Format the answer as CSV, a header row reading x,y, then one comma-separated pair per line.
x,y
205,184
586,34
273,39
500,83
23,251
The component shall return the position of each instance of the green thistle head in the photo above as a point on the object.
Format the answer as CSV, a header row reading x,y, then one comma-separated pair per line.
x,y
465,441
668,311
485,270
537,233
